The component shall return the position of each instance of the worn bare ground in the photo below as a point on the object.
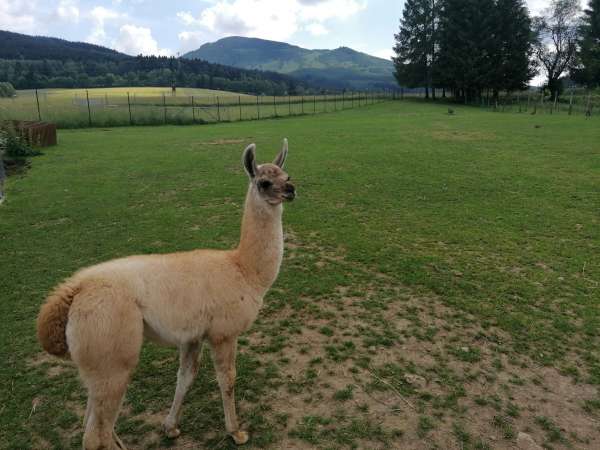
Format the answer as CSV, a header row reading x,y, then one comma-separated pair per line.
x,y
379,365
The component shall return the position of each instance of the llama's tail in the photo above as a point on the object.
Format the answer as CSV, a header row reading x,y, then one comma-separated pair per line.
x,y
53,317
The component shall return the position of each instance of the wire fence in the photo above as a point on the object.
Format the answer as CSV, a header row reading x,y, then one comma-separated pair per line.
x,y
89,109
571,103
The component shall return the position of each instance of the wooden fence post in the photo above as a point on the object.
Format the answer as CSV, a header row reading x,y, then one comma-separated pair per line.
x,y
289,105
314,104
37,99
571,102
218,110
193,110
87,96
303,104
257,108
588,110
164,108
129,108
240,105
274,106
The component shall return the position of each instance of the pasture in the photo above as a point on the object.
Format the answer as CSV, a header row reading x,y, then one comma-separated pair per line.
x,y
108,107
439,289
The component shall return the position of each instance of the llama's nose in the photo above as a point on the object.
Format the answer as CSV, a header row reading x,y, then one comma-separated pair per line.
x,y
290,191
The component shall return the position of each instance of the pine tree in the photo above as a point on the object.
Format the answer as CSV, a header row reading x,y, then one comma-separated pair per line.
x,y
512,46
588,70
416,45
467,46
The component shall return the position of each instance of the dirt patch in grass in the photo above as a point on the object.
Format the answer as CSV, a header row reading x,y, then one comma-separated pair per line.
x,y
462,136
225,141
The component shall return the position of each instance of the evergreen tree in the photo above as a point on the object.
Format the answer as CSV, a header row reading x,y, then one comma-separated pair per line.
x,y
416,45
512,46
467,47
588,70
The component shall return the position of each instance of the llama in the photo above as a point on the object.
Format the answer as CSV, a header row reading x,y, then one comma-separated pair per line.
x,y
100,315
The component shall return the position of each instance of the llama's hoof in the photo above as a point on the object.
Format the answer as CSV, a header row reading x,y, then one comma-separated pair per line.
x,y
172,432
239,437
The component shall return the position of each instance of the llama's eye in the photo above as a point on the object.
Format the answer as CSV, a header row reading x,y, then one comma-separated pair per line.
x,y
264,184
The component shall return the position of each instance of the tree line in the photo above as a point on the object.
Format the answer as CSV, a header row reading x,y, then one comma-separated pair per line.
x,y
477,48
145,71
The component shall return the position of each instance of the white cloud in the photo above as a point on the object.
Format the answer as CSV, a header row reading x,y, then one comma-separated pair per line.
x,y
68,11
385,53
271,19
191,40
187,18
316,29
18,16
99,16
537,6
135,40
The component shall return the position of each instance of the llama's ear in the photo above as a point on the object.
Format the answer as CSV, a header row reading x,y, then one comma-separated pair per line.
x,y
280,160
249,160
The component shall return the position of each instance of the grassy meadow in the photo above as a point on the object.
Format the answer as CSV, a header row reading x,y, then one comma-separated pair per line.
x,y
109,107
439,289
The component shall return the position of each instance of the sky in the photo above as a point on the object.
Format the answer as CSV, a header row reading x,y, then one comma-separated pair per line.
x,y
174,27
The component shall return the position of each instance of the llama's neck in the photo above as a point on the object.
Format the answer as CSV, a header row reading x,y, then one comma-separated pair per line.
x,y
261,243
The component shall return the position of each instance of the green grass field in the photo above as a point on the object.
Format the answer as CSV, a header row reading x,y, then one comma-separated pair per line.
x,y
109,107
440,287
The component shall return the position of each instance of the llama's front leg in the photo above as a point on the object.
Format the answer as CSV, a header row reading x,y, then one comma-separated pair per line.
x,y
188,369
224,360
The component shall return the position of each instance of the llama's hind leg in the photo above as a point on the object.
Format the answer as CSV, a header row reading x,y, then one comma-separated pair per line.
x,y
224,360
188,369
104,335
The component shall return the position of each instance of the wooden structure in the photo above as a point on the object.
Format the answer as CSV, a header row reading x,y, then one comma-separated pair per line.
x,y
36,134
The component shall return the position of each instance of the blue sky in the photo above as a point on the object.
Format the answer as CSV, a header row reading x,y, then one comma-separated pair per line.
x,y
177,26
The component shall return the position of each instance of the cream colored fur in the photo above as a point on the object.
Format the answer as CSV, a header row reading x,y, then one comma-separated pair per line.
x,y
180,299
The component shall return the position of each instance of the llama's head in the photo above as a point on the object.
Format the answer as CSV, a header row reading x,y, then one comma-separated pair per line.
x,y
270,181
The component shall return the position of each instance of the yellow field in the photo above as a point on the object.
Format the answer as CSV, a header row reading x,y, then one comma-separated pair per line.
x,y
155,105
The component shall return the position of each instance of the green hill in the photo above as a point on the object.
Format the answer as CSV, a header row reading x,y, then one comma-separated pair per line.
x,y
23,46
339,68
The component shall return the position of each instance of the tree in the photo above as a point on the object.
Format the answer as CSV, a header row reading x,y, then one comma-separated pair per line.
x,y
556,43
467,46
512,46
416,45
588,69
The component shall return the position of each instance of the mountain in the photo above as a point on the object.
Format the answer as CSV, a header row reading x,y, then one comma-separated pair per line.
x,y
22,46
339,68
32,62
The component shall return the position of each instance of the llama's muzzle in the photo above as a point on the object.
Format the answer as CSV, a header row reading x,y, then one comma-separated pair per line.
x,y
289,192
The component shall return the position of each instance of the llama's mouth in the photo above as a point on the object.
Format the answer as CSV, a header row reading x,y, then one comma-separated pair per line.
x,y
289,196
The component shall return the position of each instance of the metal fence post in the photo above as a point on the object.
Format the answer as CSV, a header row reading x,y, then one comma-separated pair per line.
x,y
87,96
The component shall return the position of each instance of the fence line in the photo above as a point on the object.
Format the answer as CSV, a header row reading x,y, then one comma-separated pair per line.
x,y
124,109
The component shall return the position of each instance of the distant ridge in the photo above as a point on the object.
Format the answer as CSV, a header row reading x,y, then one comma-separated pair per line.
x,y
339,68
23,46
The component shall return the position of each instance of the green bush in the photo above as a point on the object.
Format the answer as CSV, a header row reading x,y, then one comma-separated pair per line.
x,y
7,89
13,147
